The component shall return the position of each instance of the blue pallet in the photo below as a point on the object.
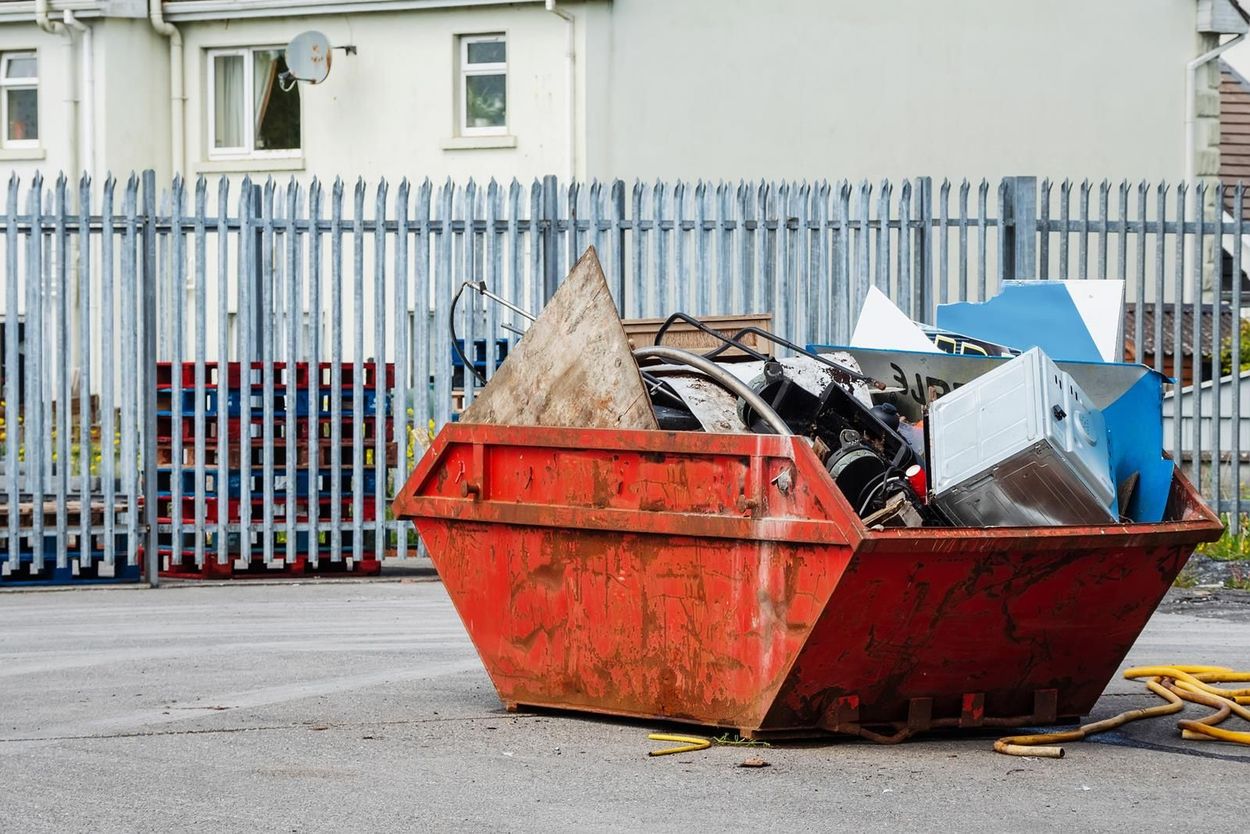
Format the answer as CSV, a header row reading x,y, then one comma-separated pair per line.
x,y
50,574
369,402
234,482
479,353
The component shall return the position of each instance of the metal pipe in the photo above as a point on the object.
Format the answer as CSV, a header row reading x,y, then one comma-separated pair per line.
x,y
177,84
570,86
1191,103
86,158
721,377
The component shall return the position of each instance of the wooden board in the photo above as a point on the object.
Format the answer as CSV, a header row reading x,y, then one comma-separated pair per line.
x,y
686,336
573,368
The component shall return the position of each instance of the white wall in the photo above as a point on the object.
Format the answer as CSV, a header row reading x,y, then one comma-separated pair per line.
x,y
388,111
975,88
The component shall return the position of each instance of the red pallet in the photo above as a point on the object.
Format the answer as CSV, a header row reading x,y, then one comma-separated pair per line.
x,y
299,375
234,509
234,456
257,569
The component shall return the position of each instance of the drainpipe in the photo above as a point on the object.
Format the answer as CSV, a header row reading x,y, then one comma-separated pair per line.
x,y
1191,105
177,86
53,27
87,59
570,88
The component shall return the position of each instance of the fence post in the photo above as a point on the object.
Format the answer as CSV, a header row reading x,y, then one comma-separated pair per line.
x,y
1019,229
551,252
151,560
618,204
257,324
922,251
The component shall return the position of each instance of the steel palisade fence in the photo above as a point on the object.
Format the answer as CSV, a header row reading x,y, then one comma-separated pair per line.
x,y
110,278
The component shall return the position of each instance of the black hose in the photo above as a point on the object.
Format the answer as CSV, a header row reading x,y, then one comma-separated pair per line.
x,y
455,341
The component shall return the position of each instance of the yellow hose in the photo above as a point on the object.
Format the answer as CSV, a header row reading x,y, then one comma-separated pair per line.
x,y
1175,684
688,744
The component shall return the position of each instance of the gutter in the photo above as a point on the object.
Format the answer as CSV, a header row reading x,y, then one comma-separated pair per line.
x,y
177,85
570,85
87,97
1191,103
53,27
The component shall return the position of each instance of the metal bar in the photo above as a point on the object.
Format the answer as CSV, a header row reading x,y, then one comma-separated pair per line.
x,y
1043,243
12,399
313,462
336,371
1178,309
1139,323
402,358
380,389
1216,375
1234,445
294,318
33,436
130,391
201,350
983,192
176,295
85,453
63,395
1160,273
1065,220
358,370
1199,265
1083,240
223,354
964,189
265,325
148,367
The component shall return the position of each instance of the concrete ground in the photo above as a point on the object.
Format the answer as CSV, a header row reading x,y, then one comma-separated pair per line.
x,y
347,705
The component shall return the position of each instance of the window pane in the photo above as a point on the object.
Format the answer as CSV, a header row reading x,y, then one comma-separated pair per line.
x,y
21,66
485,100
487,52
23,115
277,111
228,101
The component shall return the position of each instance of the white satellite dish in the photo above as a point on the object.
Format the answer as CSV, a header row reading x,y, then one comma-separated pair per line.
x,y
308,57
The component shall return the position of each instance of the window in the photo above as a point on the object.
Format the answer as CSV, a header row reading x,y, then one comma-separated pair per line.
x,y
250,111
19,79
483,85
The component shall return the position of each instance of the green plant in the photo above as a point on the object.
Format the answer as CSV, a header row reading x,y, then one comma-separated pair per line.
x,y
1231,547
1226,350
1185,579
1239,580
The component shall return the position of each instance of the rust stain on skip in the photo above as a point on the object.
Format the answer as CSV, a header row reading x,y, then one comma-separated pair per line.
x,y
622,572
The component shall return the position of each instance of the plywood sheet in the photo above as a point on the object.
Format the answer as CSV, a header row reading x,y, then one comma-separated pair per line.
x,y
573,367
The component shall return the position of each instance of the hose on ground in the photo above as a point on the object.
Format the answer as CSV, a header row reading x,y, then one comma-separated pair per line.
x,y
1175,685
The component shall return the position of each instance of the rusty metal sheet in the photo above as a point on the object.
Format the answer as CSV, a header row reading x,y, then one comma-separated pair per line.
x,y
574,366
723,580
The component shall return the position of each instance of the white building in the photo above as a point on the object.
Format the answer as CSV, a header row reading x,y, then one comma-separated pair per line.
x,y
614,88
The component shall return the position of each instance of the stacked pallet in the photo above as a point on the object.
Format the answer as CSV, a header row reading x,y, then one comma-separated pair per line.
x,y
87,560
288,455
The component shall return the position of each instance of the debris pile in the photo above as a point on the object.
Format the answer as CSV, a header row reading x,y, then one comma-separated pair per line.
x,y
1008,413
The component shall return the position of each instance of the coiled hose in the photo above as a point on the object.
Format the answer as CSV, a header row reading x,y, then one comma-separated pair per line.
x,y
1175,685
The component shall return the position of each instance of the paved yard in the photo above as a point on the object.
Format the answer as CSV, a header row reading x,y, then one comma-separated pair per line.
x,y
341,706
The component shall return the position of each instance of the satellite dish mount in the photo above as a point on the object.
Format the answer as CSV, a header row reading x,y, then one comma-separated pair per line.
x,y
308,59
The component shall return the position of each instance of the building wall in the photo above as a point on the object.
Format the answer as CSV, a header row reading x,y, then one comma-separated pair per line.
x,y
967,88
55,75
663,89
388,111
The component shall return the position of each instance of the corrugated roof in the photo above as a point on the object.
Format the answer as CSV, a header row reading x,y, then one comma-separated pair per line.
x,y
1234,135
1207,316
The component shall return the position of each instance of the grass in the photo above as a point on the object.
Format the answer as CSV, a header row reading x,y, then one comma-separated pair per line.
x,y
1240,579
1231,547
1186,579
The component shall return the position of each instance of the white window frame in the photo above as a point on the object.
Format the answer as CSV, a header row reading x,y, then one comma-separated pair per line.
x,y
468,70
248,149
7,84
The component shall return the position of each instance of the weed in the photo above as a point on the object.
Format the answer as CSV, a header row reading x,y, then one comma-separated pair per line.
x,y
1231,547
1185,579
